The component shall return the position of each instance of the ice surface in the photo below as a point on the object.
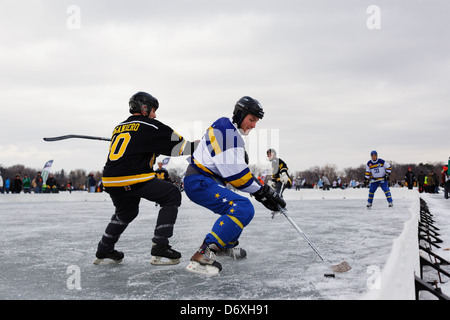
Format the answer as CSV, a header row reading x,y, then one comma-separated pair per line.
x,y
41,241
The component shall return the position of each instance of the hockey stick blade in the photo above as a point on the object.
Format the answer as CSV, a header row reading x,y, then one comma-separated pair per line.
x,y
72,136
341,267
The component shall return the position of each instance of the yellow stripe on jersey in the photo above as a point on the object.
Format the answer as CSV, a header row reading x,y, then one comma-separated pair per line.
x,y
241,181
213,140
127,180
198,164
182,147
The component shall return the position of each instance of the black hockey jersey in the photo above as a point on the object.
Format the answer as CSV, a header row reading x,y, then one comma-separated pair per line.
x,y
162,174
278,167
135,144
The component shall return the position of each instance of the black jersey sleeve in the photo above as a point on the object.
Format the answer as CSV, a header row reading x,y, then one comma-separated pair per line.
x,y
160,139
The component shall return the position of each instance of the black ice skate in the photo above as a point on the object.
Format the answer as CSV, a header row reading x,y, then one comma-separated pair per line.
x,y
113,256
204,260
369,205
391,204
160,251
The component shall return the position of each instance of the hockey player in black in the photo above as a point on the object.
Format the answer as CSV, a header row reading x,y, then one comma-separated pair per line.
x,y
280,173
128,177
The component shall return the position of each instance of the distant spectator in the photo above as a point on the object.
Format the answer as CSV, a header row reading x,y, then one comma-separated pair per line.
x,y
436,182
421,181
410,178
38,182
326,182
26,183
17,187
1,183
430,183
445,181
7,185
69,186
91,183
51,184
162,173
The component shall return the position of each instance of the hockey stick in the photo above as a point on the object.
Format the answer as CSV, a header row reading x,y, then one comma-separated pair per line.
x,y
339,268
70,136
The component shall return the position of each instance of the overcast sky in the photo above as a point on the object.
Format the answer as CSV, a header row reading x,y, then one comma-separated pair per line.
x,y
336,79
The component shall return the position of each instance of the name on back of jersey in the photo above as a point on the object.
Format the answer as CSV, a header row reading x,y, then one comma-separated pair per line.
x,y
126,127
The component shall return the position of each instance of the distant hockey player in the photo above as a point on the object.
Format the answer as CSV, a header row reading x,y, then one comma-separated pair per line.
x,y
280,173
220,158
377,174
128,177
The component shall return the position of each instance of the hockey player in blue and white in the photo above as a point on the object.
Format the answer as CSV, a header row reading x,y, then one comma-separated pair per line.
x,y
377,173
220,158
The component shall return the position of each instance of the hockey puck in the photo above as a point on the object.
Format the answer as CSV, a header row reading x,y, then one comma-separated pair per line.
x,y
329,275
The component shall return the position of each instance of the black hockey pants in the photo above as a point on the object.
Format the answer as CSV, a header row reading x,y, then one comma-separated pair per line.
x,y
127,208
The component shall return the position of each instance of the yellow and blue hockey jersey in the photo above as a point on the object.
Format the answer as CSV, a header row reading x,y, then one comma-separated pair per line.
x,y
377,170
221,155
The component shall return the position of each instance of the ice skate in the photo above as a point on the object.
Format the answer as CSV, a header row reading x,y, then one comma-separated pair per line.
x,y
391,204
369,205
113,256
164,255
204,261
235,252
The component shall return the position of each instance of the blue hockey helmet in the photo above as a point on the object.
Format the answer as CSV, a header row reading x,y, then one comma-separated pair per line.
x,y
374,153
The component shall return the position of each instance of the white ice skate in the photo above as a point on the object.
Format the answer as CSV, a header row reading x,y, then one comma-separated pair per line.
x,y
204,262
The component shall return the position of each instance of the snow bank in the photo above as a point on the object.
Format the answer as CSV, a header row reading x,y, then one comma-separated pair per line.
x,y
396,280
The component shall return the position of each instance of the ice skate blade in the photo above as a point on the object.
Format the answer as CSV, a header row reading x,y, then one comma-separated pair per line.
x,y
341,267
106,261
158,261
198,268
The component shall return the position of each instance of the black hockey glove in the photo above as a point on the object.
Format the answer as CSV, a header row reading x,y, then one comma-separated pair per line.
x,y
386,177
269,198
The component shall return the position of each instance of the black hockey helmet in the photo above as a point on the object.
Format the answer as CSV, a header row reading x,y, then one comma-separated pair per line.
x,y
271,150
142,102
247,105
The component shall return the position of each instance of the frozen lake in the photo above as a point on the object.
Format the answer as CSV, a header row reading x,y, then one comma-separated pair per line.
x,y
48,247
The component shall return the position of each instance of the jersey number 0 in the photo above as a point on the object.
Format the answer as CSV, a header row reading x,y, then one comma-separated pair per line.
x,y
118,146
